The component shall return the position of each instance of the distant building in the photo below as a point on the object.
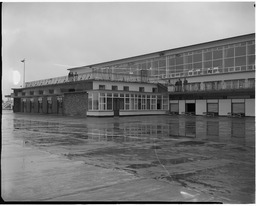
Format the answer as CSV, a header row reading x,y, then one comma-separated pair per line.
x,y
220,79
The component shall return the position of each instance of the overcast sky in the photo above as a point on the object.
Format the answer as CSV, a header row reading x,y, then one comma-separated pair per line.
x,y
53,37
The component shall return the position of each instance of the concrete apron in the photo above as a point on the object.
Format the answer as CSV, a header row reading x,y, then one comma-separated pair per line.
x,y
29,174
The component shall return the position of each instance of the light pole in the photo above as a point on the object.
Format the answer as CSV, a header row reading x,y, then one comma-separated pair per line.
x,y
23,73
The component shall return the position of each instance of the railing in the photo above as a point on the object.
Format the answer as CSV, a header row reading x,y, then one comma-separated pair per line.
x,y
87,76
206,71
205,86
136,78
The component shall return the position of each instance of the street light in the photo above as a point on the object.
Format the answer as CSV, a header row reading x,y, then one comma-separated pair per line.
x,y
23,61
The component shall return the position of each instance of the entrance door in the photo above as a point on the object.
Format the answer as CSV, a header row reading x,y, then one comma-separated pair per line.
x,y
116,106
191,108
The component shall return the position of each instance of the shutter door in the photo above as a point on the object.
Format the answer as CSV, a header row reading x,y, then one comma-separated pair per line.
x,y
212,107
174,107
238,108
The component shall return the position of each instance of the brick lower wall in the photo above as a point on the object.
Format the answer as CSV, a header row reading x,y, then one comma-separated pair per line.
x,y
75,104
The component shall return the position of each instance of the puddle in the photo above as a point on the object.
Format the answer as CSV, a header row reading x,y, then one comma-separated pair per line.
x,y
180,160
190,143
140,166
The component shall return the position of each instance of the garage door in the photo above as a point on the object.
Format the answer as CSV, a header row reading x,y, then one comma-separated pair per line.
x,y
174,107
238,108
212,107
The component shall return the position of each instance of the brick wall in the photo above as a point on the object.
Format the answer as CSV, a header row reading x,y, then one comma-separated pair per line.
x,y
75,103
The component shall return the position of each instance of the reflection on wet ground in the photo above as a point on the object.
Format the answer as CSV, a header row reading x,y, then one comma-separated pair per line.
x,y
210,155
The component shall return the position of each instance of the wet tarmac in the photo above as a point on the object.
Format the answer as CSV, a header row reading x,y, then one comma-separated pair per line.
x,y
144,158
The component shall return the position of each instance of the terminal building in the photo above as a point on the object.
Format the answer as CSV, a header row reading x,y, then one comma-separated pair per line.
x,y
215,78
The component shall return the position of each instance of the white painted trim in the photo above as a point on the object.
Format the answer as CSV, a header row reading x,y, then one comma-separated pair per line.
x,y
237,100
212,100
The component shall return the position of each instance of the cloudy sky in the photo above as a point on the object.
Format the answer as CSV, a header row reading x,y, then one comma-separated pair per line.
x,y
53,37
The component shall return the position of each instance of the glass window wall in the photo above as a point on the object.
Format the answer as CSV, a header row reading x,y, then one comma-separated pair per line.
x,y
104,101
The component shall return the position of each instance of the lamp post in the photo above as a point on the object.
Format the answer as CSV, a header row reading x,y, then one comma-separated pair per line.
x,y
23,61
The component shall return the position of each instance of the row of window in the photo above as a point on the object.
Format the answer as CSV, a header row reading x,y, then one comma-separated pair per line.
x,y
242,54
115,101
125,88
236,108
219,85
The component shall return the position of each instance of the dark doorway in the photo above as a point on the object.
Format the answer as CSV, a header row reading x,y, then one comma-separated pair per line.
x,y
191,108
116,106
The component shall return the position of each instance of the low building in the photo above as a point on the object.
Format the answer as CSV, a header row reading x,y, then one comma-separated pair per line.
x,y
216,78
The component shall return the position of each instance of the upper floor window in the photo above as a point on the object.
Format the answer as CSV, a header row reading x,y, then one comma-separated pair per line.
x,y
31,92
103,87
141,89
154,90
114,88
51,91
126,88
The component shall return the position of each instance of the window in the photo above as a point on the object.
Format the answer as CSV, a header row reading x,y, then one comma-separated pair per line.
x,y
126,88
165,103
229,62
41,92
102,87
31,92
109,101
159,102
132,102
217,54
51,91
148,102
114,88
102,102
229,52
90,101
197,57
251,83
154,90
127,102
207,56
95,101
240,61
135,101
143,100
153,102
251,49
139,102
141,89
240,51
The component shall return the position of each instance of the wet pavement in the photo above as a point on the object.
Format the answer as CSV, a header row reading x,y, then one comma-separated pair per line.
x,y
144,158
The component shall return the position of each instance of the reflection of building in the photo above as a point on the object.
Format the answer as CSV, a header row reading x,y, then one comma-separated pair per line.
x,y
220,75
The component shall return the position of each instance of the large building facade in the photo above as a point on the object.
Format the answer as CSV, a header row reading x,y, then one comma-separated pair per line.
x,y
217,78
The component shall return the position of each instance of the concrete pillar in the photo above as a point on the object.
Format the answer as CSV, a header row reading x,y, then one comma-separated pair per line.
x,y
250,107
44,102
181,106
54,104
201,106
36,105
224,106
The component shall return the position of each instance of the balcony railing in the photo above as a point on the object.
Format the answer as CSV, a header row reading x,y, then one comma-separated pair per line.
x,y
214,86
136,78
207,71
88,76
